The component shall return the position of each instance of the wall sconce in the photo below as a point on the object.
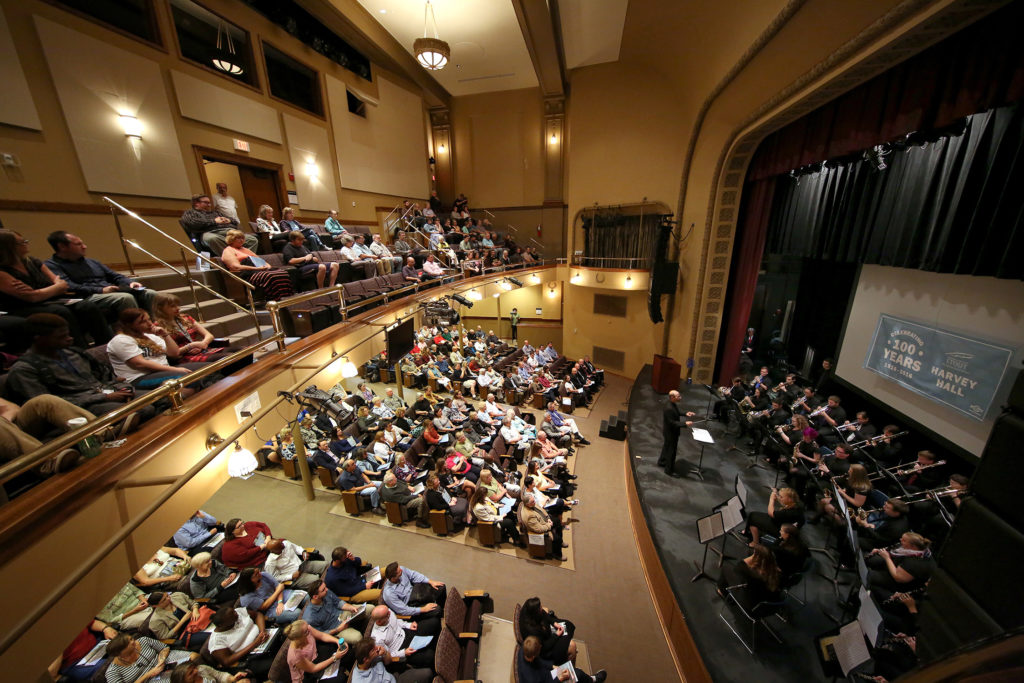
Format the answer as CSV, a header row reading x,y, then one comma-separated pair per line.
x,y
552,290
496,295
242,463
535,279
131,125
440,148
629,281
577,278
311,168
553,139
348,368
474,295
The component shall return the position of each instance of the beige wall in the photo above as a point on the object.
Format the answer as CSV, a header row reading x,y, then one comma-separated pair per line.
x,y
499,148
583,329
217,172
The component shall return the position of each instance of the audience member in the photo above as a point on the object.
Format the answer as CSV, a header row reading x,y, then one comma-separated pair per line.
x,y
344,577
89,279
412,594
211,227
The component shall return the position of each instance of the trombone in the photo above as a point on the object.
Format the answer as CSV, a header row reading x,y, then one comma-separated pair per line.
x,y
875,439
896,470
944,492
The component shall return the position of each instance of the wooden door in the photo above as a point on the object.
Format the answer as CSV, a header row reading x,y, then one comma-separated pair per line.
x,y
260,186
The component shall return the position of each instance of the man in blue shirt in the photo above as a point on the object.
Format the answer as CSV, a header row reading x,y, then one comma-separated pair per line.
x,y
411,594
354,479
328,613
193,534
345,577
89,279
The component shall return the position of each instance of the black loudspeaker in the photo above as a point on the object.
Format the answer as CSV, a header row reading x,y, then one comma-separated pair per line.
x,y
664,277
996,480
983,555
950,619
654,307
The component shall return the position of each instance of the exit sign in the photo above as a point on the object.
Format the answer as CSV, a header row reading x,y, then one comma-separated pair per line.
x,y
241,145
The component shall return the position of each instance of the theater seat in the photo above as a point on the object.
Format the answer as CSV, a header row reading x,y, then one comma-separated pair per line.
x,y
454,662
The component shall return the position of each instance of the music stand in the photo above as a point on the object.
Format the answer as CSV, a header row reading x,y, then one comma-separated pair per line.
x,y
704,437
841,502
714,397
842,650
708,529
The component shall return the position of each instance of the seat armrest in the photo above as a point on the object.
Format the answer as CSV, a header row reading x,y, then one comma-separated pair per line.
x,y
468,634
476,593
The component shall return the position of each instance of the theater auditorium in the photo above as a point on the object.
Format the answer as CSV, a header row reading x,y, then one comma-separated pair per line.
x,y
494,340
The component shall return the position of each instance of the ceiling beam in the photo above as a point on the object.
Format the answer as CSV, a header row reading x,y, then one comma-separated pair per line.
x,y
351,21
540,34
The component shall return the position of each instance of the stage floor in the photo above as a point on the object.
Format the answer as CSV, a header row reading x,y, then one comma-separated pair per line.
x,y
672,506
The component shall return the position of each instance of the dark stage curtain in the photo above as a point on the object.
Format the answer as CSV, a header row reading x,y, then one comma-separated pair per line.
x,y
746,262
619,237
979,68
953,206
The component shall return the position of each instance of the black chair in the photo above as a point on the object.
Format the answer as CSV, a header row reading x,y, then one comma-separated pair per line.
x,y
756,615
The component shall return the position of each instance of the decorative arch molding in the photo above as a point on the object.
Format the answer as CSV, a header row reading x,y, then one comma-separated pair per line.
x,y
824,82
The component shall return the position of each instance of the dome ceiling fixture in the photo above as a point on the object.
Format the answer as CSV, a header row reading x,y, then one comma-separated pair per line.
x,y
431,53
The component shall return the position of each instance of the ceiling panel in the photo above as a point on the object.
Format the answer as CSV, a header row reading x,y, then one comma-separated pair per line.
x,y
488,50
591,30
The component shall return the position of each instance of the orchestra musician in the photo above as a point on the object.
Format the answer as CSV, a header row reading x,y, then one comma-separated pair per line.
x,y
784,507
762,379
808,402
854,488
859,430
832,416
889,451
883,527
806,455
904,568
836,465
788,390
923,475
952,503
735,393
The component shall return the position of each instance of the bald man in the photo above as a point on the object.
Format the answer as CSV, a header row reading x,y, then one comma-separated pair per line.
x,y
672,422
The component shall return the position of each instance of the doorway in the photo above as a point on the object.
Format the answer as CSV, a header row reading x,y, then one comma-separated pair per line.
x,y
251,182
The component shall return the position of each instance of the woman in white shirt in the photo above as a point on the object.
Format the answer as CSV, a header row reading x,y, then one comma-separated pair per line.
x,y
139,352
265,223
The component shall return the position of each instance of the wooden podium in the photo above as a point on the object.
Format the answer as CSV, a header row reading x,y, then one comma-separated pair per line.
x,y
665,377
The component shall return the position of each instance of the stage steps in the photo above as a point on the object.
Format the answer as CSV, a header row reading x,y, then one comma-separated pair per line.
x,y
615,427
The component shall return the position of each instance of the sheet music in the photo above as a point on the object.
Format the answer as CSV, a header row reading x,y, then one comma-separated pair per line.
x,y
741,491
732,513
702,435
536,539
851,650
862,569
868,616
710,527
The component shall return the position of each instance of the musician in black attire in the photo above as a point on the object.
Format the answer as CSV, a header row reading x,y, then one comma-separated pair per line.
x,y
825,374
917,479
788,390
791,553
672,422
734,395
806,456
883,527
861,429
902,569
828,420
889,452
815,481
783,508
810,402
764,425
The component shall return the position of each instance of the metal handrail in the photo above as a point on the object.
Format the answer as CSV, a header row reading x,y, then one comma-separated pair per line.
x,y
181,244
171,388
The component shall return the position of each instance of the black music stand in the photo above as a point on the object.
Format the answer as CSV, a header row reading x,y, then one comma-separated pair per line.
x,y
708,529
825,550
704,437
841,650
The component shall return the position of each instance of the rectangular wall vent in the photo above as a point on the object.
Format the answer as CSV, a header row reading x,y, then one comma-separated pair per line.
x,y
609,358
609,304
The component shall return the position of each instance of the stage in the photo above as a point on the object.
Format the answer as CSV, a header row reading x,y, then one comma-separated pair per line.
x,y
672,506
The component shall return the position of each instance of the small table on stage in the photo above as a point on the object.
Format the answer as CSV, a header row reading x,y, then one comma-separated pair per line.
x,y
703,437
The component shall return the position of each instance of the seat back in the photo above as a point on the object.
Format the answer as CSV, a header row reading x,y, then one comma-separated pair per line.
x,y
325,477
397,513
455,611
447,657
515,624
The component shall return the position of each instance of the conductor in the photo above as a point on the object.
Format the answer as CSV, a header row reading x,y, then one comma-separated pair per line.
x,y
672,422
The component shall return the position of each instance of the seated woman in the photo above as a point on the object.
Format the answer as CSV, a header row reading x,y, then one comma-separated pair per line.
x,y
905,568
367,463
265,223
245,543
555,634
149,578
365,392
367,423
487,510
274,282
210,579
236,633
260,592
790,554
784,507
855,489
431,397
195,343
289,224
408,473
305,646
136,659
139,352
381,451
460,466
754,579
560,479
494,488
27,286
439,498
441,422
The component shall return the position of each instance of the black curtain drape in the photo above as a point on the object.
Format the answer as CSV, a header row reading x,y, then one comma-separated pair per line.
x,y
620,237
952,206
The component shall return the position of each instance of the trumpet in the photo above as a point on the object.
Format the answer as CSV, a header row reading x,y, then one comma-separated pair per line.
x,y
797,403
819,411
849,425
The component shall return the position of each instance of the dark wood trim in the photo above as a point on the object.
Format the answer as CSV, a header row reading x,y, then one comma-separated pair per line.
x,y
209,69
400,200
240,160
120,31
545,205
70,207
680,641
319,82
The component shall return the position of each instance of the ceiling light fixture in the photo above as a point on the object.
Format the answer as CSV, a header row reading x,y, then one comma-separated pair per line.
x,y
224,57
242,463
431,53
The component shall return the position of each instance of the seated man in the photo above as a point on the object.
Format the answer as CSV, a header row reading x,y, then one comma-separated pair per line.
x,y
532,669
90,279
381,251
193,535
392,401
372,661
354,479
345,577
538,521
362,249
53,366
236,633
362,264
432,269
210,227
395,635
334,227
565,425
295,254
412,594
397,491
324,456
288,561
409,272
328,613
